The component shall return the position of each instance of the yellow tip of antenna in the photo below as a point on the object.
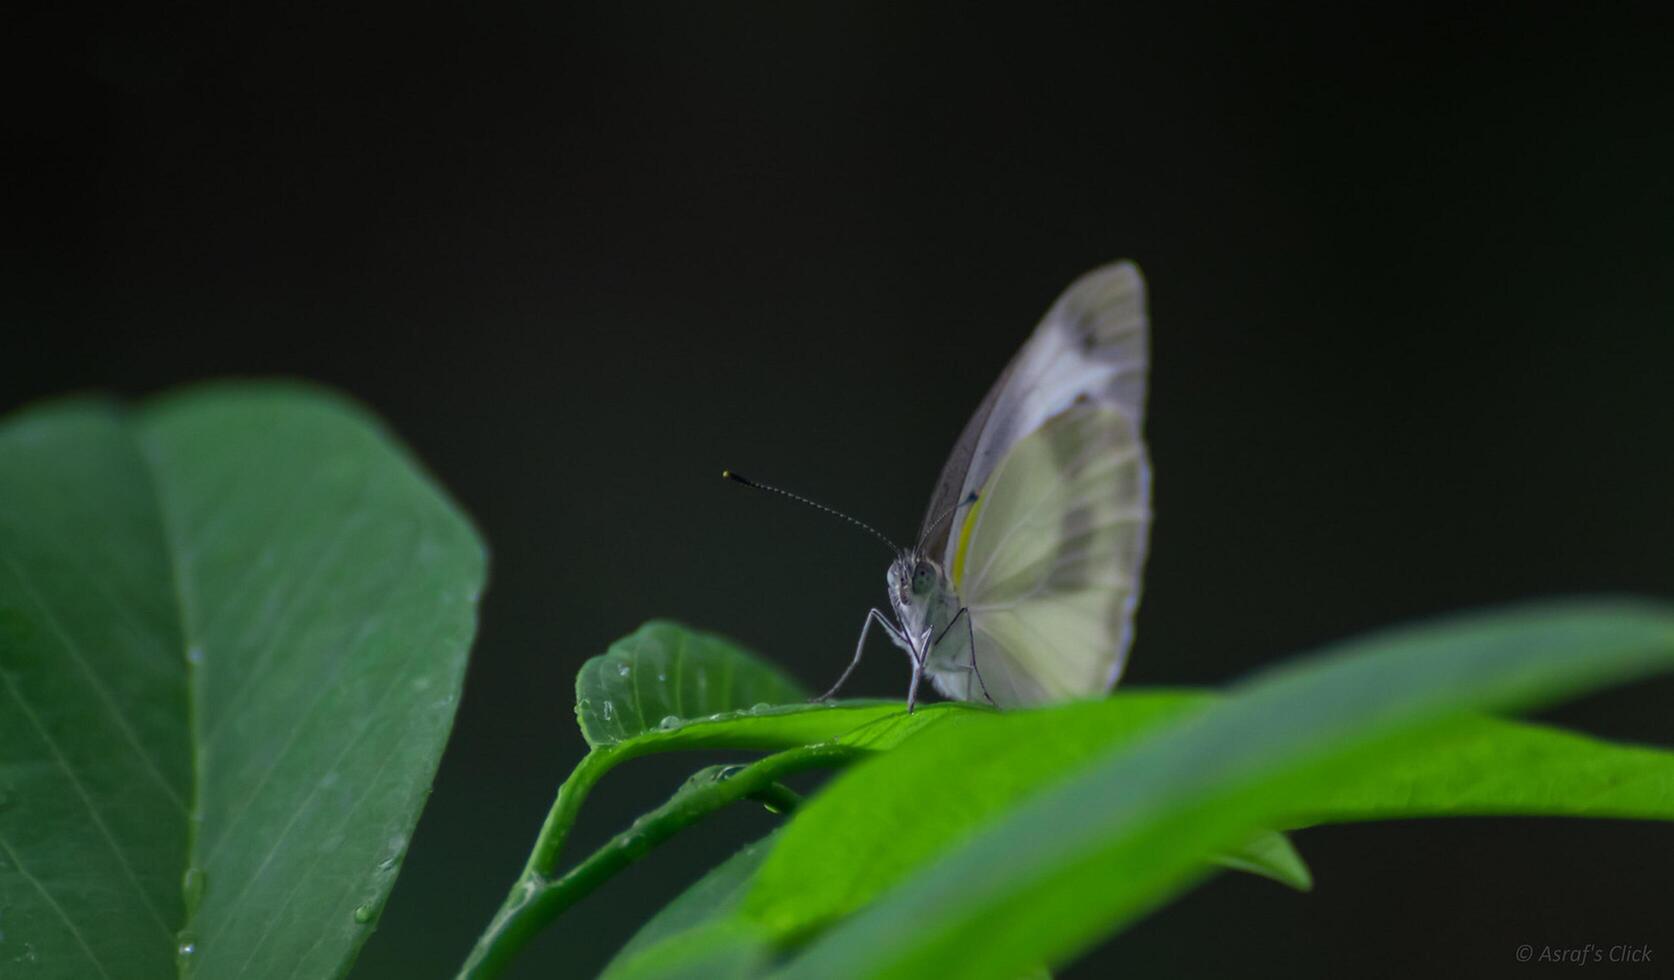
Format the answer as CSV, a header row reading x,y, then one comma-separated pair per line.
x,y
726,474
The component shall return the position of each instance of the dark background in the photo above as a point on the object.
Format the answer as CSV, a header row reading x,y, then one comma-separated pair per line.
x,y
1413,301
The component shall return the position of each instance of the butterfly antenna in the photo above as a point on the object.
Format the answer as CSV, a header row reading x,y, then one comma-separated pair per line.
x,y
930,528
740,478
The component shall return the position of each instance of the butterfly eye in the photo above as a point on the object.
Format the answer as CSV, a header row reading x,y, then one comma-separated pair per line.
x,y
922,579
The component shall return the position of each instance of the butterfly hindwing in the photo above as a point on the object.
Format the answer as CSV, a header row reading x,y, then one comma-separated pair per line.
x,y
1047,562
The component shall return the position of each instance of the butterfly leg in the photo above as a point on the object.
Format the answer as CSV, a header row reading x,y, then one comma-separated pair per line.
x,y
860,648
970,633
912,689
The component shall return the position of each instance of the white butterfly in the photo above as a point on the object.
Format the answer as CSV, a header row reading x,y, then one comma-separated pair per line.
x,y
1023,585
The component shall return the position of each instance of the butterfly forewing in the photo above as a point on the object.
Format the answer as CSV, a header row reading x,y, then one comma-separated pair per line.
x,y
1091,345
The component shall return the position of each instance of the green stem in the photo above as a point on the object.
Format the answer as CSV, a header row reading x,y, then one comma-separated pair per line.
x,y
544,858
536,899
778,798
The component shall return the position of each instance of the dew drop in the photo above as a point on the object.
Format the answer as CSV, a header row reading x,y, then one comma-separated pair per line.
x,y
364,913
662,678
386,864
192,884
760,707
623,670
185,949
609,710
669,723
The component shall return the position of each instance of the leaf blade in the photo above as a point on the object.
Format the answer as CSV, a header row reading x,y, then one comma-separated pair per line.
x,y
664,671
1209,778
61,737
248,590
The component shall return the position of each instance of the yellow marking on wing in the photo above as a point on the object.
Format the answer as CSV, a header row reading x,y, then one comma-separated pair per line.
x,y
964,545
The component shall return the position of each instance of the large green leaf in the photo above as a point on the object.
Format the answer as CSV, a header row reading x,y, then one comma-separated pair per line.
x,y
691,920
1477,766
1131,825
233,627
902,810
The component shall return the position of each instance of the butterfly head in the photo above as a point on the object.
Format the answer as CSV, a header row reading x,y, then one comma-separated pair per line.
x,y
914,582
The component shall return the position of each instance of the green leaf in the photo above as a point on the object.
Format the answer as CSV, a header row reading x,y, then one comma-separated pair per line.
x,y
887,816
233,626
692,932
1131,826
1271,855
666,687
1491,767
664,674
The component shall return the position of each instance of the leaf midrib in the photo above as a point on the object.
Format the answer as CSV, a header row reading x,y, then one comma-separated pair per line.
x,y
147,450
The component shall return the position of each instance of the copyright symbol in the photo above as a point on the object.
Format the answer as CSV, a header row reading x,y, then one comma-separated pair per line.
x,y
1524,953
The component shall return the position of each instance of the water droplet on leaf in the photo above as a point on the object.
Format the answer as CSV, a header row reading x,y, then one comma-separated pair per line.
x,y
609,710
192,884
669,723
364,913
623,670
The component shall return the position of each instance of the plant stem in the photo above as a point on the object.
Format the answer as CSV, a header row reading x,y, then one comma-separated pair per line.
x,y
544,858
536,899
778,798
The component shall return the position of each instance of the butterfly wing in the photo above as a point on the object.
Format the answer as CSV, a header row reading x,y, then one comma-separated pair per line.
x,y
1047,559
1091,345
1047,563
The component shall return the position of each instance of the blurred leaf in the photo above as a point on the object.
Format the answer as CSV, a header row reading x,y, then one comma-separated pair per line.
x,y
233,626
885,817
1130,828
1271,855
715,897
1491,767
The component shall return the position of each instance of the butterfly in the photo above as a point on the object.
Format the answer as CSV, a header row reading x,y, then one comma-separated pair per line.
x,y
1022,586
